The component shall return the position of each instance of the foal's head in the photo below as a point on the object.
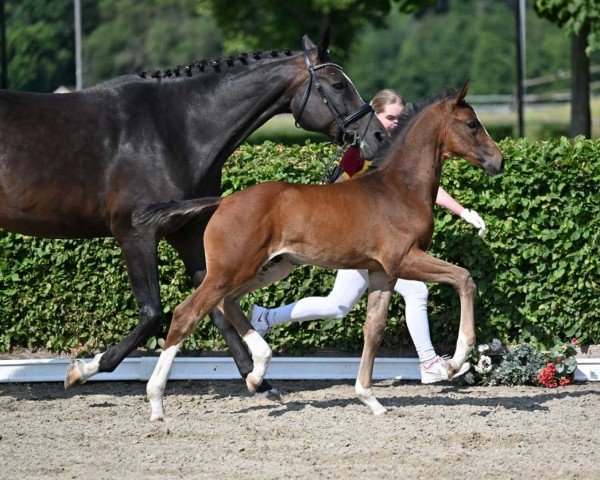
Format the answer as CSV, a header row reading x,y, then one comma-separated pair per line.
x,y
464,136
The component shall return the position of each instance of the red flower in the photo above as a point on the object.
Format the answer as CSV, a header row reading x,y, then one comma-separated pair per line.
x,y
575,341
564,381
547,376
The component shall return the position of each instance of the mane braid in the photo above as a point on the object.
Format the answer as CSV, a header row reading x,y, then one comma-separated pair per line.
x,y
409,115
216,64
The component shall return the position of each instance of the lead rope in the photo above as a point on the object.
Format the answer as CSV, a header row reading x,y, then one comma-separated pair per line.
x,y
333,169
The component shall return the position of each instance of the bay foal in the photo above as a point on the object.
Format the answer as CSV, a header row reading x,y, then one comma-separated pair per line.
x,y
257,236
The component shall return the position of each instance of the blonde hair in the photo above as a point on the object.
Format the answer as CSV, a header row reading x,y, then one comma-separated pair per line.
x,y
386,97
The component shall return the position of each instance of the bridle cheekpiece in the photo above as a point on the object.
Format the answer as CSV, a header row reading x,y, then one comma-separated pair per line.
x,y
344,136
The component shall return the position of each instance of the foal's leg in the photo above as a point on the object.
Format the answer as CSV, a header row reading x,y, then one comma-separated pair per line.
x,y
139,250
418,265
186,317
380,293
260,350
188,242
274,270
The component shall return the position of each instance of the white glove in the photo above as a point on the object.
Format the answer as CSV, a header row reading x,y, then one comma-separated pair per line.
x,y
474,219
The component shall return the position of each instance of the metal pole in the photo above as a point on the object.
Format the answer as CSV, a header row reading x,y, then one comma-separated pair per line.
x,y
520,27
78,74
3,59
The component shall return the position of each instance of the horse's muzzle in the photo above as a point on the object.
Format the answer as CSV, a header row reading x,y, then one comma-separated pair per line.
x,y
493,166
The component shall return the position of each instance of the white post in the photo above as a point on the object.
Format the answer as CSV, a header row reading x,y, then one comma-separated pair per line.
x,y
78,74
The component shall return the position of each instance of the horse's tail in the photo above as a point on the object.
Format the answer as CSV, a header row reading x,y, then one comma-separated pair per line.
x,y
173,214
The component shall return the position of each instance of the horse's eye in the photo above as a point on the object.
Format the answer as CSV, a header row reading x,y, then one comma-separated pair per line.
x,y
472,125
338,85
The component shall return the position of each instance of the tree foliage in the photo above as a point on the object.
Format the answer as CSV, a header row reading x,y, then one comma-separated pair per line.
x,y
258,24
41,43
133,36
419,54
437,43
572,15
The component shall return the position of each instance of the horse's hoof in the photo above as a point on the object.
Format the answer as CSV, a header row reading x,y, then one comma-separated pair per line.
x,y
379,410
157,417
74,374
268,397
251,383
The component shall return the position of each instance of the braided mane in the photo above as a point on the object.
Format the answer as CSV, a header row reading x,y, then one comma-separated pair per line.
x,y
216,64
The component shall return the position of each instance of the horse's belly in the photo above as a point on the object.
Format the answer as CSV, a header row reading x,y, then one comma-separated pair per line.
x,y
51,219
51,228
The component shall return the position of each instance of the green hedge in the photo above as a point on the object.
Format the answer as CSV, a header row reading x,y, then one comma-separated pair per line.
x,y
537,268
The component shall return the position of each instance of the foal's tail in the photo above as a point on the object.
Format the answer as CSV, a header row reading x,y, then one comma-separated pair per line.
x,y
173,214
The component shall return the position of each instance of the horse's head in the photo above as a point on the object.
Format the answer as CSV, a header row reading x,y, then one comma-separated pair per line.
x,y
328,102
464,136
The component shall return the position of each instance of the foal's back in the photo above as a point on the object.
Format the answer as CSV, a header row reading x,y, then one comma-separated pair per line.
x,y
335,226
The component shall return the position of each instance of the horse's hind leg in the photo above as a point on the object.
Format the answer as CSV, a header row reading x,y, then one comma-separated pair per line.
x,y
186,318
380,294
141,259
418,265
189,244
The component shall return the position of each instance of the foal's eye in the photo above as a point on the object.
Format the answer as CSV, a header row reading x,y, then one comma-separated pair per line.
x,y
472,125
338,85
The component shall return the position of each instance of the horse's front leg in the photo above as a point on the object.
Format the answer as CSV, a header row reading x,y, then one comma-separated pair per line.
x,y
418,265
140,253
380,294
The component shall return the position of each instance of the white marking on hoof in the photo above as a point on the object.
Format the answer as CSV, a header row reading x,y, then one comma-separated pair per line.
x,y
157,410
269,397
261,356
78,372
251,383
366,396
156,385
461,353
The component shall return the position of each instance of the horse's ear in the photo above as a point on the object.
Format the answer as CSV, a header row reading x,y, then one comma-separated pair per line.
x,y
307,43
323,49
460,95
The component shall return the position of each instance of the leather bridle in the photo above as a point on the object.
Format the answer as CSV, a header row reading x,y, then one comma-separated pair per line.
x,y
344,136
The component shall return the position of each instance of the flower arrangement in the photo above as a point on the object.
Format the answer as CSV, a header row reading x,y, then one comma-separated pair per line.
x,y
525,364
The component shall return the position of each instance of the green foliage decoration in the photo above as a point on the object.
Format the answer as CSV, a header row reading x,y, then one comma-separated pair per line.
x,y
537,268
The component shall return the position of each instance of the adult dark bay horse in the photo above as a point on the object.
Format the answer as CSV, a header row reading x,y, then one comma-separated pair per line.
x,y
78,165
258,235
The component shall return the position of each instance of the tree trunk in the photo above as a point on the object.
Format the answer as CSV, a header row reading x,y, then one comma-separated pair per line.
x,y
580,84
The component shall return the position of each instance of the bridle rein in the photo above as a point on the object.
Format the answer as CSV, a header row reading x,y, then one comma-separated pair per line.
x,y
344,136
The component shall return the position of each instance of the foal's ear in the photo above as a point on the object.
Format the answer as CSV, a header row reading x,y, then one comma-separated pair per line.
x,y
460,95
307,43
323,49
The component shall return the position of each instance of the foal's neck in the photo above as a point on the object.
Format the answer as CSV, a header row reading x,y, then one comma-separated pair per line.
x,y
417,162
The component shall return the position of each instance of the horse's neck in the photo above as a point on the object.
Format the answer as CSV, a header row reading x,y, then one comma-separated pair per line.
x,y
245,100
417,163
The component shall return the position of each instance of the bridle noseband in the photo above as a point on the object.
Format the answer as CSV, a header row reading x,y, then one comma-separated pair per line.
x,y
343,136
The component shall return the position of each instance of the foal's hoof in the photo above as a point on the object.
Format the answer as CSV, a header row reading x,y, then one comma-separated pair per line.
x,y
268,397
252,383
157,417
74,374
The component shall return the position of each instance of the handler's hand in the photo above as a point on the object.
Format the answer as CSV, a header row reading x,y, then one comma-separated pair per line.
x,y
474,219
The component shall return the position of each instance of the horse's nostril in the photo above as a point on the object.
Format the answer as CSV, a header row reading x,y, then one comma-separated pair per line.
x,y
379,136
